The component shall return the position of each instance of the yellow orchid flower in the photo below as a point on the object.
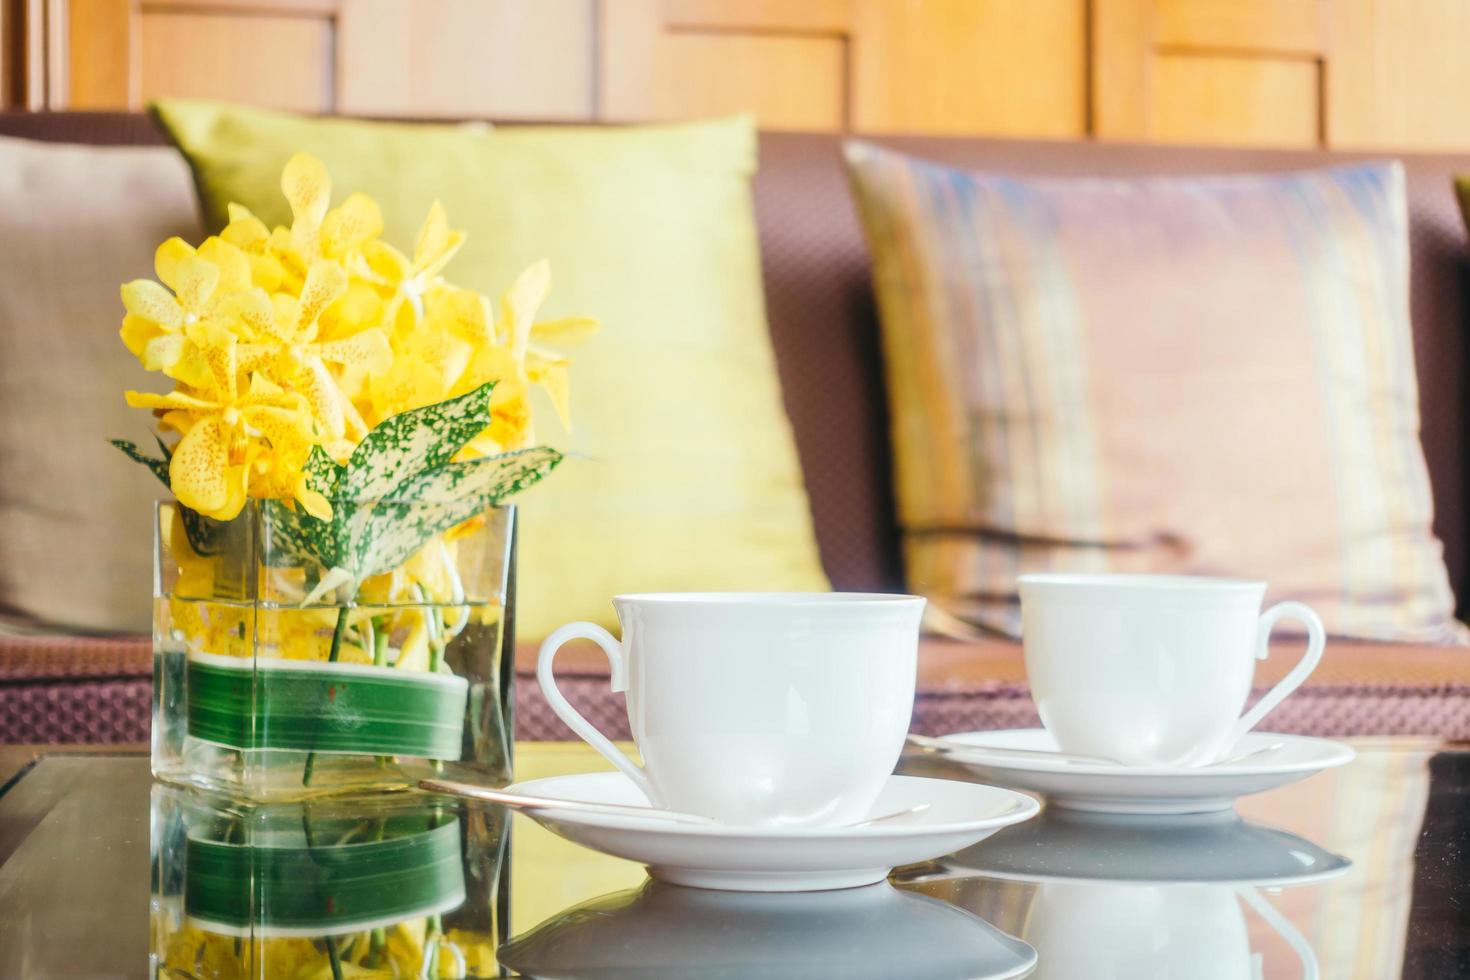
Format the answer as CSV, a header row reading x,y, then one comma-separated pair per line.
x,y
518,310
210,284
296,360
210,468
405,281
250,235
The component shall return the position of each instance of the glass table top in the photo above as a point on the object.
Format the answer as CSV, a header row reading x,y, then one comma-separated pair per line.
x,y
1361,872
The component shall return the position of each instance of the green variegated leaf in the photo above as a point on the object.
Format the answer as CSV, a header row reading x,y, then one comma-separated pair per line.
x,y
158,466
441,499
323,473
292,538
206,536
412,442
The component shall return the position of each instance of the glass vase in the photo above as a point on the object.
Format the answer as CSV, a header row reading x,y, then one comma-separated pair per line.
x,y
269,686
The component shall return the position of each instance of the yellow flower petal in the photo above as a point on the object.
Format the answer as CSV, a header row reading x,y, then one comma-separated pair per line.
x,y
195,283
522,300
234,267
198,470
164,351
251,309
352,223
173,400
368,350
217,346
436,241
316,385
136,331
308,189
324,283
384,264
149,301
552,375
464,312
312,502
169,260
245,231
566,332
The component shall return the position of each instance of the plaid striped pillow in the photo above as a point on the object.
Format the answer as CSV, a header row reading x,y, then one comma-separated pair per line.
x,y
1200,375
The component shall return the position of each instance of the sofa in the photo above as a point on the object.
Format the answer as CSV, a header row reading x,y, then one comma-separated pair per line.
x,y
825,334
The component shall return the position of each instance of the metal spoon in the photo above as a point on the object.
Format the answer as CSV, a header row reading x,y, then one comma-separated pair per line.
x,y
520,801
945,746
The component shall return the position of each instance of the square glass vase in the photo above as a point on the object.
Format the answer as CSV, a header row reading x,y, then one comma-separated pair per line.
x,y
267,687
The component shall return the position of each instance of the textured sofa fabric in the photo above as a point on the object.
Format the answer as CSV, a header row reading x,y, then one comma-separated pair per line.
x,y
824,331
71,689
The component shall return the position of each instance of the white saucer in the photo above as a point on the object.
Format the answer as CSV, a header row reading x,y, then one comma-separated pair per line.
x,y
781,859
662,931
1136,789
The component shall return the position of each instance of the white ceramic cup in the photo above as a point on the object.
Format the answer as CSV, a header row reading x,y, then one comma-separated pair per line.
x,y
1153,670
757,708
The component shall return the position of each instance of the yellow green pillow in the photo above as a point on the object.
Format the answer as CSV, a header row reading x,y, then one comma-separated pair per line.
x,y
691,479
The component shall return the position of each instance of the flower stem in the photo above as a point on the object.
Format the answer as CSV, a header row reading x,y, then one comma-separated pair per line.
x,y
380,659
331,659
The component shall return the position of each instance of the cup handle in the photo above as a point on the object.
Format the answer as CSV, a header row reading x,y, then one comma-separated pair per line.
x,y
563,708
1316,642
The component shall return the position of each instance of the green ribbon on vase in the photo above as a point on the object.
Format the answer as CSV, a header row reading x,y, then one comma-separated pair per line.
x,y
296,885
316,706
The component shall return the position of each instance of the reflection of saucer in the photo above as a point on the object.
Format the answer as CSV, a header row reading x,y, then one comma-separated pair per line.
x,y
1137,789
1212,848
780,858
662,930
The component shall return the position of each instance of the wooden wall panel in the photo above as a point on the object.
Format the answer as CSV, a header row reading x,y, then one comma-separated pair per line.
x,y
785,62
1210,71
1235,100
507,59
971,66
102,71
279,61
1399,75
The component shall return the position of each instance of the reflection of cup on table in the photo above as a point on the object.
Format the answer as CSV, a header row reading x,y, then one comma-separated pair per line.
x,y
1153,670
757,708
1105,896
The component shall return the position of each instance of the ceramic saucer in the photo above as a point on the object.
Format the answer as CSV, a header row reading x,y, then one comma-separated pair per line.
x,y
1136,789
873,933
1075,846
770,859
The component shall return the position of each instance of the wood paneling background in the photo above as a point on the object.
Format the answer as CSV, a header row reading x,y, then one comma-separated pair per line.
x,y
1361,73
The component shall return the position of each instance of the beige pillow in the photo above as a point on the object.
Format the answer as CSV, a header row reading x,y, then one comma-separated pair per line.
x,y
1208,375
76,525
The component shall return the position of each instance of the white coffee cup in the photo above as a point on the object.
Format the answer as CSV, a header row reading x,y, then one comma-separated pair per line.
x,y
1153,670
757,708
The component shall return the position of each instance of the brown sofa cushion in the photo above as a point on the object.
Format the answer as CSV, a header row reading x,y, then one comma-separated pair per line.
x,y
75,516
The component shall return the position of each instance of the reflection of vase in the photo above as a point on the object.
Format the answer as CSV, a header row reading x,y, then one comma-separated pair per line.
x,y
268,691
662,930
377,882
